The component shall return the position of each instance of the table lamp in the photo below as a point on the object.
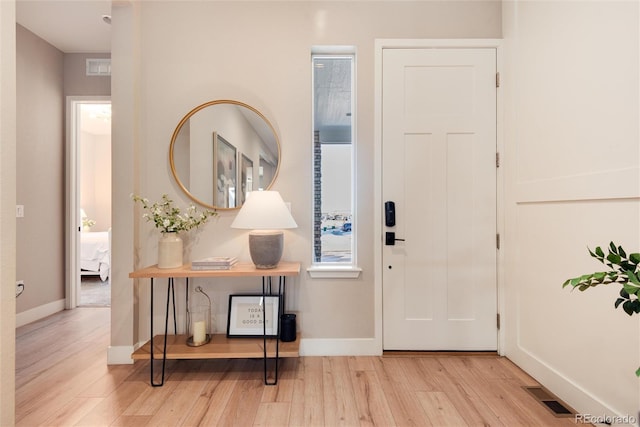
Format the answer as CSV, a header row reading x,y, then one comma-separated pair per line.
x,y
266,215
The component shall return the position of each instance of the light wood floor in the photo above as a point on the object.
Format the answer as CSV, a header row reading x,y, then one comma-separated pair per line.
x,y
62,379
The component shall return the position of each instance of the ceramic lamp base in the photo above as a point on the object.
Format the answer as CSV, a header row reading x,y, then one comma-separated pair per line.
x,y
265,248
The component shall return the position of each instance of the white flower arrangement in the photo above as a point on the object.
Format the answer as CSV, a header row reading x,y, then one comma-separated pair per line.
x,y
88,223
168,218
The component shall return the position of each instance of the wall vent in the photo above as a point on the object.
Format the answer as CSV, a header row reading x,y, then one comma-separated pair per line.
x,y
98,66
550,401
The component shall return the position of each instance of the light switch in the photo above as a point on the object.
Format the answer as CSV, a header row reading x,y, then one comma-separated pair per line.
x,y
19,211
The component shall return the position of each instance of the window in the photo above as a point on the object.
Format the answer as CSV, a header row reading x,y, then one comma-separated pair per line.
x,y
333,167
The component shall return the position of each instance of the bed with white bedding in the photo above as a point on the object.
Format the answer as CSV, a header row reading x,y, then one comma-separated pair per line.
x,y
95,254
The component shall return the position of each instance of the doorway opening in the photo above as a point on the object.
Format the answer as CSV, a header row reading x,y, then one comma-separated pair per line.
x,y
88,201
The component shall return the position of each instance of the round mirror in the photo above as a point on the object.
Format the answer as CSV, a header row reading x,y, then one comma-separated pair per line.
x,y
221,151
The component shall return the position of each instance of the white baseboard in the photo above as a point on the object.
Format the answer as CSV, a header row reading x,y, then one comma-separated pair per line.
x,y
39,312
574,394
120,355
339,347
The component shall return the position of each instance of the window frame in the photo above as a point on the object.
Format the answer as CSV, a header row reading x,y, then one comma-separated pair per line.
x,y
346,270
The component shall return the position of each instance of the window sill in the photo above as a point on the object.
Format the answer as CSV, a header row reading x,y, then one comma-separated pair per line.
x,y
334,272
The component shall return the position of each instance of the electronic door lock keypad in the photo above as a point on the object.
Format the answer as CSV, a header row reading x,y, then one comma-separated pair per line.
x,y
389,214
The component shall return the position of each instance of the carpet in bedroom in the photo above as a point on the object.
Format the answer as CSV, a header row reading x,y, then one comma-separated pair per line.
x,y
94,292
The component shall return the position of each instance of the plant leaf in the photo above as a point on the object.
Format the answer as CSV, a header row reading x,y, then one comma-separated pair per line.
x,y
628,307
630,289
614,259
619,301
638,373
621,251
599,252
635,258
633,277
612,248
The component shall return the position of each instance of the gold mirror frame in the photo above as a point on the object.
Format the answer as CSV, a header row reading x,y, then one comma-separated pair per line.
x,y
185,119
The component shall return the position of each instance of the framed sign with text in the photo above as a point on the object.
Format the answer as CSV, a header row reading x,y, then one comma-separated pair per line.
x,y
253,316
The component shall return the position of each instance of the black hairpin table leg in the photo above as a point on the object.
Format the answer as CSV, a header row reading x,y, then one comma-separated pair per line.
x,y
281,288
170,296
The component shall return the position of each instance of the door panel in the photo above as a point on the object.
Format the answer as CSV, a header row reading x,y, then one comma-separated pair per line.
x,y
438,148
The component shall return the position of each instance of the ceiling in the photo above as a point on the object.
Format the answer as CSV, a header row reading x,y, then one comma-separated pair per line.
x,y
72,26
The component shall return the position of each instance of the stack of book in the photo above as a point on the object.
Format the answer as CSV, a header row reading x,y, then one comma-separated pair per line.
x,y
214,263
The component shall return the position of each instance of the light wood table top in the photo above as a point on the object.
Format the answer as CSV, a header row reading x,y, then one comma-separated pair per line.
x,y
241,269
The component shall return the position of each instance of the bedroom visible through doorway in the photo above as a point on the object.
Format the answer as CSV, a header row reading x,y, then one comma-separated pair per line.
x,y
95,203
89,202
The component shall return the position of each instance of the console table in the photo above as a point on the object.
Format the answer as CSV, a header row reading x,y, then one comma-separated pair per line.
x,y
175,346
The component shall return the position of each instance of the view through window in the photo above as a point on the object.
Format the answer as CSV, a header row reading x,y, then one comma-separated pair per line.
x,y
333,158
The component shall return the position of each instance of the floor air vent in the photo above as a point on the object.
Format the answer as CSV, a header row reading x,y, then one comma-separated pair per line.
x,y
550,401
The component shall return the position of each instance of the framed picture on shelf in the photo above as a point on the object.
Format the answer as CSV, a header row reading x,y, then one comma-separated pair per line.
x,y
224,172
245,178
246,316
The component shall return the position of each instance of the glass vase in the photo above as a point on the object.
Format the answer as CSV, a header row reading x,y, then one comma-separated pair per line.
x,y
199,319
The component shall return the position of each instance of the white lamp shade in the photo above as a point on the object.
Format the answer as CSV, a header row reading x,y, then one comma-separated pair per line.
x,y
83,214
264,210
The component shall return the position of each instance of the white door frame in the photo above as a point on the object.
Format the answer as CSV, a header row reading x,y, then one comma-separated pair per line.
x,y
380,45
72,235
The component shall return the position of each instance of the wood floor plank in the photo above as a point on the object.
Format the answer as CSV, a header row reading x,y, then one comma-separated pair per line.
x,y
272,414
184,396
340,408
56,387
242,406
372,404
403,401
111,407
73,412
210,405
62,379
297,411
440,409
131,421
469,405
286,381
307,406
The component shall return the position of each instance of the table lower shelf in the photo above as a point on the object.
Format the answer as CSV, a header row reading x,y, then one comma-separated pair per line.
x,y
220,347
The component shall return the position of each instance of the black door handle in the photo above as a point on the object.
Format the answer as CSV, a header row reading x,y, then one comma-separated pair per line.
x,y
390,238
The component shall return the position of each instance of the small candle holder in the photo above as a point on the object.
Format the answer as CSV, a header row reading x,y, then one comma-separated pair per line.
x,y
199,319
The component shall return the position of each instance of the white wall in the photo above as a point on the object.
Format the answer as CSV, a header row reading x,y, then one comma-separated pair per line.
x,y
95,179
572,181
7,210
259,53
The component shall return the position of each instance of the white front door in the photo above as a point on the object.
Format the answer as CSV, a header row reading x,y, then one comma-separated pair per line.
x,y
439,285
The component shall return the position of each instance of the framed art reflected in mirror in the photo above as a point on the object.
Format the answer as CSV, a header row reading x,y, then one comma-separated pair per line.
x,y
246,177
224,172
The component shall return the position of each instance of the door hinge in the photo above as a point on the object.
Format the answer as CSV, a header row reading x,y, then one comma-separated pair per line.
x,y
498,240
498,320
497,160
497,79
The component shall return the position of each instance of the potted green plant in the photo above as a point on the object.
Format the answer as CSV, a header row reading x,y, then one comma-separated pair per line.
x,y
623,270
